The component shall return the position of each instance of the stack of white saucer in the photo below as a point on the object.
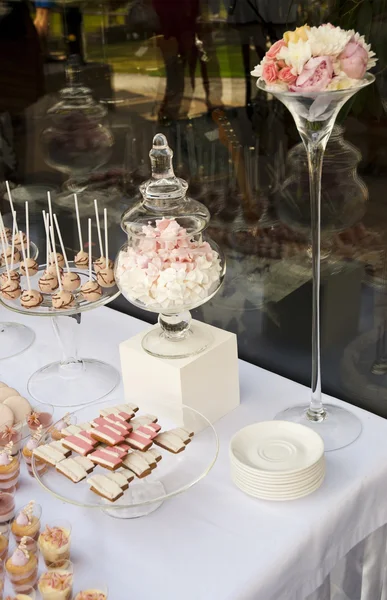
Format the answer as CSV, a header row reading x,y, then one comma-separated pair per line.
x,y
277,460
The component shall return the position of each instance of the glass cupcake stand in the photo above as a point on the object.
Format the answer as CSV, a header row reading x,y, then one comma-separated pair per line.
x,y
15,338
174,474
72,381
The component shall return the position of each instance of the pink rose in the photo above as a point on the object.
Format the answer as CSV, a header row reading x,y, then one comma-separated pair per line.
x,y
353,60
270,72
287,76
315,76
275,48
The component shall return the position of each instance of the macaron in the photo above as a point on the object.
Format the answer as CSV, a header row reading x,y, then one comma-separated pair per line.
x,y
20,408
3,384
7,418
7,392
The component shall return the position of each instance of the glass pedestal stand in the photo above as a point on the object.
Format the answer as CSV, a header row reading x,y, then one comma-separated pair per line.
x,y
173,475
16,338
315,114
72,381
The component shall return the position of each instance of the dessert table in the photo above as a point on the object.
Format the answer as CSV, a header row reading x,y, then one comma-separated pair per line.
x,y
213,542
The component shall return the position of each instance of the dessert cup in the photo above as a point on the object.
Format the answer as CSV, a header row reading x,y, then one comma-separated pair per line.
x,y
27,452
57,582
94,592
9,472
41,415
56,429
54,542
22,567
4,542
27,522
28,594
315,114
7,509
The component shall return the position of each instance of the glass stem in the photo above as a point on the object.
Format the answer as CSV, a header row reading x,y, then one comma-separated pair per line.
x,y
315,152
175,327
65,329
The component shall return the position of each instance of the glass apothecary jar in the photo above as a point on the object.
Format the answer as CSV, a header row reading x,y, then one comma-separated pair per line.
x,y
168,265
78,139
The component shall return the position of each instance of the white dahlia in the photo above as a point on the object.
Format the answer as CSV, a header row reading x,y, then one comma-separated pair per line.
x,y
327,40
360,39
295,55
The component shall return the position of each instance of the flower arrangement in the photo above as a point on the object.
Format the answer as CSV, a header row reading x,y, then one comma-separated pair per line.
x,y
314,59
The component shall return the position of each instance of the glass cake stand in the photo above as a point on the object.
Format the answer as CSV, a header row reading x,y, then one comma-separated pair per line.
x,y
174,474
16,338
71,381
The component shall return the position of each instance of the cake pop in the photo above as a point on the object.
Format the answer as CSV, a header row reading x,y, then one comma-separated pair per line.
x,y
82,258
10,288
61,299
9,252
105,276
19,240
91,290
100,263
13,275
48,282
30,298
30,264
59,256
70,280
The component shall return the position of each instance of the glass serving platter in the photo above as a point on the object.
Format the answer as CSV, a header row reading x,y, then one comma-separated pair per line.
x,y
174,474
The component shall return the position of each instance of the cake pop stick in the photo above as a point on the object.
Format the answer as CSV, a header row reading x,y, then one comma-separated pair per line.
x,y
91,290
30,264
81,258
70,281
106,238
98,226
13,275
48,282
13,211
15,254
78,222
9,196
53,244
61,299
30,298
10,287
28,230
105,276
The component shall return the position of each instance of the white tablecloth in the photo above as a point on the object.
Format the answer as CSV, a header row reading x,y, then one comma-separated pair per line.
x,y
213,542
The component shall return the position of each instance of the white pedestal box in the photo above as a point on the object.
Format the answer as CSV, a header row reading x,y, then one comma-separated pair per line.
x,y
207,382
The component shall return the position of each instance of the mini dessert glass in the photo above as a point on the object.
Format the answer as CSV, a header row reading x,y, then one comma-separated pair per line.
x,y
41,414
28,449
9,469
56,430
57,582
54,542
7,509
28,594
22,566
27,522
94,592
4,542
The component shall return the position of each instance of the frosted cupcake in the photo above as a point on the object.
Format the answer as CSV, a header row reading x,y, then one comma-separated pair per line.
x,y
27,522
54,543
28,449
9,469
57,583
22,568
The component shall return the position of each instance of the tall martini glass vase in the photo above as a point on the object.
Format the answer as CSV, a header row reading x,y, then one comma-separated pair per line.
x,y
315,114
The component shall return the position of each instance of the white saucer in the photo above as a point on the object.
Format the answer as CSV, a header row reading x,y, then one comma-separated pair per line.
x,y
276,478
275,489
277,447
276,496
268,485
